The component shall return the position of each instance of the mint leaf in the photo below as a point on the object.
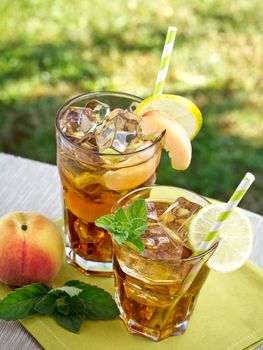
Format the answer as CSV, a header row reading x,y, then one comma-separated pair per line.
x,y
137,209
70,322
73,319
98,304
138,226
136,243
120,216
116,224
125,225
69,305
21,302
67,310
120,231
46,304
63,305
71,291
105,221
50,303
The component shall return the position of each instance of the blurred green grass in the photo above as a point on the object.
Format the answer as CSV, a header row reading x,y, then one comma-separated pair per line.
x,y
53,50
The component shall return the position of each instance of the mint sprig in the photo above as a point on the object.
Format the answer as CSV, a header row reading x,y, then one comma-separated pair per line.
x,y
69,305
21,302
127,225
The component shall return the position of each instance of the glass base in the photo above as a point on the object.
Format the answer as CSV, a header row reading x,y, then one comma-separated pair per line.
x,y
88,267
154,334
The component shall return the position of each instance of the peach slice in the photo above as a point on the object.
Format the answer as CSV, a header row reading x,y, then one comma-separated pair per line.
x,y
130,176
176,143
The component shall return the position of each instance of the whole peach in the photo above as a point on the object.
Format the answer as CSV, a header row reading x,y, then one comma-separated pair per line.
x,y
31,249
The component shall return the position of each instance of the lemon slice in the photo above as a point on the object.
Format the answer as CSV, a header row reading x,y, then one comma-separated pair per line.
x,y
178,108
235,237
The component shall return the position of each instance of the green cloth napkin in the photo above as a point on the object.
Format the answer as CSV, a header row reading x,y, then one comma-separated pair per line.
x,y
228,316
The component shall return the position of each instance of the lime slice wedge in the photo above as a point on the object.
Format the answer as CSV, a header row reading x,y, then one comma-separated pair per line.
x,y
235,237
178,108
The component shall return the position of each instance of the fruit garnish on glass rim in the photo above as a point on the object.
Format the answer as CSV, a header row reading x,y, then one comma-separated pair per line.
x,y
181,119
176,108
235,237
227,226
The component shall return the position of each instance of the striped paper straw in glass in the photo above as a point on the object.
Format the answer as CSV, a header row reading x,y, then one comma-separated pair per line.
x,y
230,205
165,60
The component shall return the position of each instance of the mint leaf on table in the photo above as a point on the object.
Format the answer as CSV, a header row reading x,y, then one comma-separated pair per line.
x,y
46,305
127,225
64,305
71,291
57,299
98,304
21,302
69,305
76,301
69,312
71,322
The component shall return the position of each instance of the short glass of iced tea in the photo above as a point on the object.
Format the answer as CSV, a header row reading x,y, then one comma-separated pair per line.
x,y
101,155
149,286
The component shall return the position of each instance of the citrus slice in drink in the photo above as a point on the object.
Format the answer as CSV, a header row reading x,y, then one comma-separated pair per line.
x,y
177,108
131,175
176,141
235,237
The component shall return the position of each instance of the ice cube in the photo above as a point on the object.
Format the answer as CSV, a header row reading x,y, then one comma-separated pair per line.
x,y
120,130
77,122
127,131
77,173
159,245
114,113
105,136
152,214
155,210
177,215
100,110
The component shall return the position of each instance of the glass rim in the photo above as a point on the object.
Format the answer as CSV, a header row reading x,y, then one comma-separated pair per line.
x,y
105,93
165,261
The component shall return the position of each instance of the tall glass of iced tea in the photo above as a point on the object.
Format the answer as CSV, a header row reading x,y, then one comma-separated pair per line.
x,y
101,155
149,286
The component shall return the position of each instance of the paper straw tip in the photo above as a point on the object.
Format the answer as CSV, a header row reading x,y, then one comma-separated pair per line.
x,y
250,177
172,29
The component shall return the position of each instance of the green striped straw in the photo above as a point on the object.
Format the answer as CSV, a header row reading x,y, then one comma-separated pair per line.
x,y
165,60
211,236
224,214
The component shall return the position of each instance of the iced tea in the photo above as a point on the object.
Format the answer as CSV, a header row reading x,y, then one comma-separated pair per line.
x,y
101,155
148,285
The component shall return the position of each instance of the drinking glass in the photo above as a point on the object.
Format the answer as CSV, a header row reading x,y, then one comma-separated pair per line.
x,y
92,182
149,288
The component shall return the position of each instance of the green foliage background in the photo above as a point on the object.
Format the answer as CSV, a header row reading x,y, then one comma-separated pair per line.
x,y
53,50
